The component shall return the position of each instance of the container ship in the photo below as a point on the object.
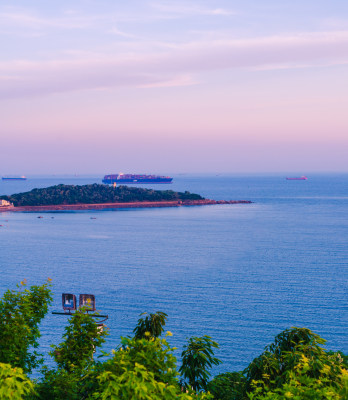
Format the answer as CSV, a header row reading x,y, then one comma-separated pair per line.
x,y
299,178
14,178
133,178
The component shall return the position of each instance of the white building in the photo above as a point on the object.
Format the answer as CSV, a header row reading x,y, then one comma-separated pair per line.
x,y
5,203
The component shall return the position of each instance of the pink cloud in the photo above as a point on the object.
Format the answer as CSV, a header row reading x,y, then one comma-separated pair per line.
x,y
27,78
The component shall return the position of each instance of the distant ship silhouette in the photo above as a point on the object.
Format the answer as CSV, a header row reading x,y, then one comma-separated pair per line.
x,y
298,178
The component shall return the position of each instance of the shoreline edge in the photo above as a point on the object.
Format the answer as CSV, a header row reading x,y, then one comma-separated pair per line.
x,y
105,206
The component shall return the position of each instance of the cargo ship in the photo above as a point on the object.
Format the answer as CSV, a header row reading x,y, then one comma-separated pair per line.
x,y
14,178
299,178
134,178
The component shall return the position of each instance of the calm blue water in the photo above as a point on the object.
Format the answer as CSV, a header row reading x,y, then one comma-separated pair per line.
x,y
239,273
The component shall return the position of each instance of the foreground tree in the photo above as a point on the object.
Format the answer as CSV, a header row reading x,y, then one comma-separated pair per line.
x,y
150,325
21,312
311,379
76,372
295,366
81,339
142,369
197,360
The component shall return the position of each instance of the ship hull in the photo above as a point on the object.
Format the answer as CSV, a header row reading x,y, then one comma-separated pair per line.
x,y
110,181
122,178
13,179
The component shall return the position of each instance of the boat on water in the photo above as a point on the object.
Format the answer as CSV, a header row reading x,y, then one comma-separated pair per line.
x,y
14,178
298,178
134,178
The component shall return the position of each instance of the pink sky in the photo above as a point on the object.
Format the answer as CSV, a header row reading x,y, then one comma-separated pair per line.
x,y
176,87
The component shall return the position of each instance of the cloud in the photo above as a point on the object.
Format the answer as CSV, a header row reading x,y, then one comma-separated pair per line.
x,y
24,78
178,9
220,11
272,67
14,20
181,80
11,21
117,32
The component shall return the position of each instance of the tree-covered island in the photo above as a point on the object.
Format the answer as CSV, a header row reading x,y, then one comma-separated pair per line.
x,y
95,194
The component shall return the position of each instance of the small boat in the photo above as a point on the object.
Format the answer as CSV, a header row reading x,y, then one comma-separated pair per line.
x,y
298,178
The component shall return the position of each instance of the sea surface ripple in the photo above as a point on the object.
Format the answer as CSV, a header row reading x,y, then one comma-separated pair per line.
x,y
239,273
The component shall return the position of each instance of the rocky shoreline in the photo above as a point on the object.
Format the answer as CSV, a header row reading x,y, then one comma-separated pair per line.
x,y
103,206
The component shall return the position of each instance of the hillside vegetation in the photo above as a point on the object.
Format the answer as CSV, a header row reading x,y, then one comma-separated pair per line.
x,y
143,366
94,194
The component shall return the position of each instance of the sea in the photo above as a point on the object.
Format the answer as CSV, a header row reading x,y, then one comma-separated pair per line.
x,y
239,273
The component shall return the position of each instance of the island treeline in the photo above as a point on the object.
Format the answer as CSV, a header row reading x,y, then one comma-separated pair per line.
x,y
94,194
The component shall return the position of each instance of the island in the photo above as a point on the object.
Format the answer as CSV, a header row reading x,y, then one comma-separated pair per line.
x,y
97,197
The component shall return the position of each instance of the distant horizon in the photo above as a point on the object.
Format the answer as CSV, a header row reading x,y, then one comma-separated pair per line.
x,y
178,173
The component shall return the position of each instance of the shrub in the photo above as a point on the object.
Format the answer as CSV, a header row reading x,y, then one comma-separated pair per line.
x,y
14,384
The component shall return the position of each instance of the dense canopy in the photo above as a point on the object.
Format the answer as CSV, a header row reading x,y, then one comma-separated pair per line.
x,y
295,366
94,194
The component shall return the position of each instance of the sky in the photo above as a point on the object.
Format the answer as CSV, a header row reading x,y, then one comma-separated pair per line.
x,y
151,86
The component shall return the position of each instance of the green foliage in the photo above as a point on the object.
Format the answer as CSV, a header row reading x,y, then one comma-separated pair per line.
x,y
227,386
197,358
154,354
294,366
300,383
284,354
150,325
21,312
343,358
81,338
135,383
14,384
94,194
141,369
139,384
76,374
58,385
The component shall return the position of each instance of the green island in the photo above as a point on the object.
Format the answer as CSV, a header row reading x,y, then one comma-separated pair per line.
x,y
95,194
143,366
